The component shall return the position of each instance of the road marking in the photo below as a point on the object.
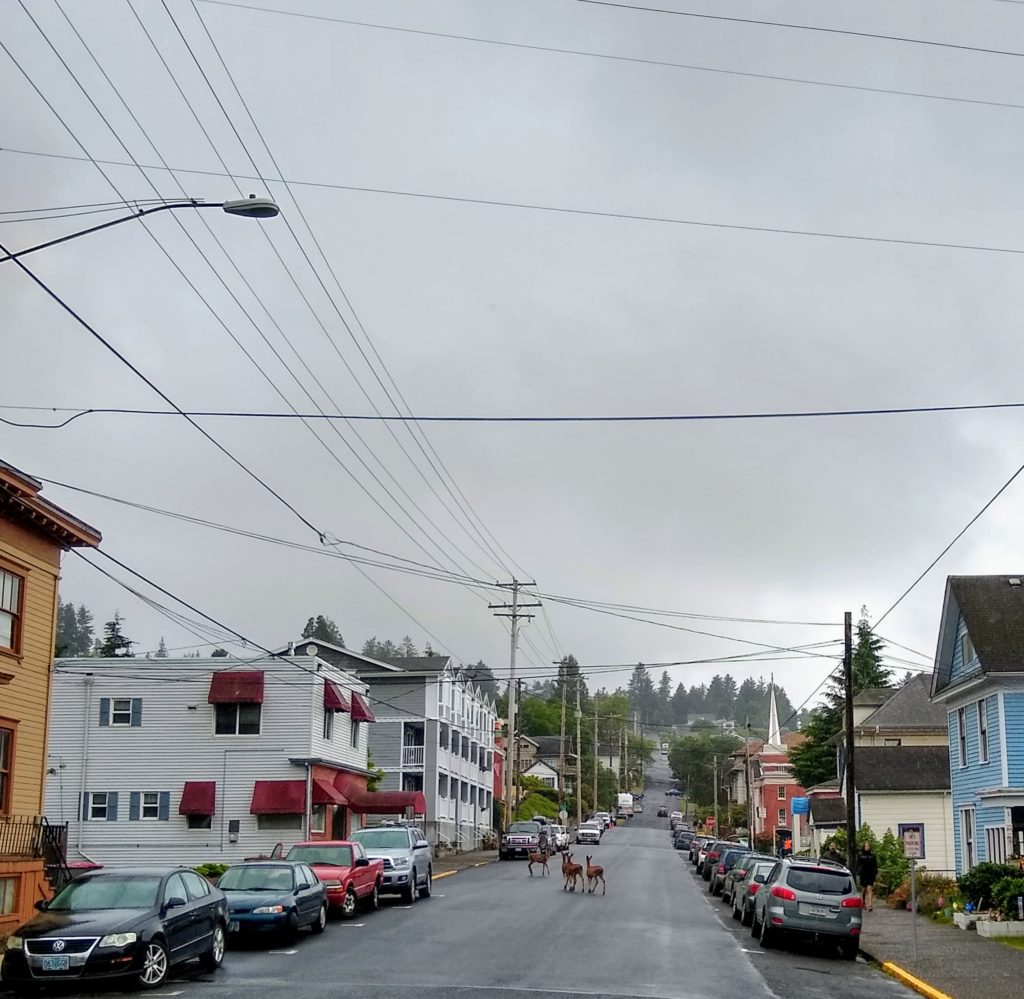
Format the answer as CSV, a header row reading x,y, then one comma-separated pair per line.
x,y
289,952
747,950
444,874
354,925
912,981
393,907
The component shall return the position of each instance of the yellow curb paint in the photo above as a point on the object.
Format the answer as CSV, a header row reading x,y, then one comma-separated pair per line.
x,y
915,983
444,874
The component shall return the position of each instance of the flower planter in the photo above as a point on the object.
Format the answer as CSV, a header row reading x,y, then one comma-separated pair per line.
x,y
965,920
991,928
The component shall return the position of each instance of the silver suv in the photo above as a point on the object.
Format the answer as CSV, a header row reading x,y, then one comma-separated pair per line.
x,y
810,898
408,862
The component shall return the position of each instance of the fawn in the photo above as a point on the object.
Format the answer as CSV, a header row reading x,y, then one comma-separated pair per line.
x,y
540,858
570,871
595,873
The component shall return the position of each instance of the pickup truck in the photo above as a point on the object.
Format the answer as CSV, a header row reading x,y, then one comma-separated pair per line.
x,y
349,876
522,839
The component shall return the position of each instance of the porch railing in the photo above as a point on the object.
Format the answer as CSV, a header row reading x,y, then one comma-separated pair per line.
x,y
412,756
21,836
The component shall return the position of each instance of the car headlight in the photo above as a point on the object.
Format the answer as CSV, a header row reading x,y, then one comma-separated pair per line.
x,y
332,884
14,943
118,939
266,910
401,862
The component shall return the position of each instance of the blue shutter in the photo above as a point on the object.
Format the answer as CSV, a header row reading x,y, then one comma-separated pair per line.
x,y
165,806
104,712
84,805
136,712
111,806
133,806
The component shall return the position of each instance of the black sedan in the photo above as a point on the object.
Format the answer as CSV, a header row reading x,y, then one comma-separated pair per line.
x,y
274,896
133,923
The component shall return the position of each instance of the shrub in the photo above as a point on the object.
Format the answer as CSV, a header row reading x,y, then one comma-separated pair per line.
x,y
1005,893
977,884
211,870
934,893
893,866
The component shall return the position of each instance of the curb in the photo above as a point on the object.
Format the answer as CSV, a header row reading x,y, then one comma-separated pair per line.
x,y
904,976
444,874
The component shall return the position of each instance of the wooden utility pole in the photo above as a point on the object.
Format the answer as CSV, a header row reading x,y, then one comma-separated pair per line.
x,y
579,780
513,611
519,753
851,800
594,799
715,774
561,741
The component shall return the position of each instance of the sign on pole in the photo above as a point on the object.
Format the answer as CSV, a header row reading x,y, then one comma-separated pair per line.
x,y
913,841
563,816
800,806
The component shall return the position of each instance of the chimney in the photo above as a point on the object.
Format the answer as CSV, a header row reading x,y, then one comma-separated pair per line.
x,y
291,648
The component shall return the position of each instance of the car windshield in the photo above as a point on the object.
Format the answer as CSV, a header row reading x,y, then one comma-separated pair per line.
x,y
107,891
820,881
382,839
591,826
524,827
338,856
256,877
731,856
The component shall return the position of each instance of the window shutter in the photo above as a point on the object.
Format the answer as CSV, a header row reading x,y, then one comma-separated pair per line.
x,y
136,712
111,806
165,806
104,712
84,805
133,806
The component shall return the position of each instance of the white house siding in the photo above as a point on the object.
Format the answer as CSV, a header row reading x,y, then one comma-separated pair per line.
x,y
175,743
886,810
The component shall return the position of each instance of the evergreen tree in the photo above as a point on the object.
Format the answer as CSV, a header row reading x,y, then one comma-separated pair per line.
x,y
407,648
480,673
66,641
85,632
323,629
680,706
869,673
115,643
219,654
161,649
748,703
380,650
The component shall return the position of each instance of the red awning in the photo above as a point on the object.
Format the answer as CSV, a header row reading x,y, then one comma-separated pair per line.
x,y
360,709
198,798
236,687
388,802
278,797
334,698
325,793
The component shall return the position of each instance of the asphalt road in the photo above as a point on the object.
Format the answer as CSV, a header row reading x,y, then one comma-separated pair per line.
x,y
494,930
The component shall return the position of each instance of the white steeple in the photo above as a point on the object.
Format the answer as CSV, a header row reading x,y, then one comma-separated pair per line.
x,y
774,735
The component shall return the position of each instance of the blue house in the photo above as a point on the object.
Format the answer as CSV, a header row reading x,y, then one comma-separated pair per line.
x,y
979,679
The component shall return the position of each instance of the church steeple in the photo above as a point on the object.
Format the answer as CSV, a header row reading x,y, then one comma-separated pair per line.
x,y
774,733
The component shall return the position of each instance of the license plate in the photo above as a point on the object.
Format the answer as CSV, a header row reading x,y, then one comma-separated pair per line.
x,y
233,926
60,963
817,910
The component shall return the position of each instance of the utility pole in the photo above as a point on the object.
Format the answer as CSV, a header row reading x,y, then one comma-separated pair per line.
x,y
594,798
625,759
851,801
715,758
519,752
514,612
561,743
746,788
579,779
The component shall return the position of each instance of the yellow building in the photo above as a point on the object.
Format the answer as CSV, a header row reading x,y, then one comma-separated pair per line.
x,y
33,534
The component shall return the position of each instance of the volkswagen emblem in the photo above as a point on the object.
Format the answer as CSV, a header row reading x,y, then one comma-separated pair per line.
x,y
58,945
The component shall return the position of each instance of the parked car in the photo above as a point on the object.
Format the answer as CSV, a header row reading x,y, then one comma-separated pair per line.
x,y
521,839
605,818
589,832
662,812
714,850
559,838
722,866
804,897
278,896
408,860
699,844
683,839
739,870
674,819
745,889
132,923
349,876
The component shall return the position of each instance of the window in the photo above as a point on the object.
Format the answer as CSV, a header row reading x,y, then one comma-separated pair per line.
x,y
121,711
961,727
328,725
983,731
443,736
8,895
237,719
412,782
318,819
197,887
456,743
11,588
454,795
464,791
481,798
782,792
200,822
892,742
150,806
995,844
6,766
967,838
967,648
782,816
175,888
355,734
279,823
97,806
442,785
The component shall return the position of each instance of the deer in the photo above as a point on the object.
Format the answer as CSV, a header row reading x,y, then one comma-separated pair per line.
x,y
541,858
595,873
570,871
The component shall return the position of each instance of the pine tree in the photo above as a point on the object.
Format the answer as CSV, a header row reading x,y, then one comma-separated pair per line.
x,y
219,654
323,629
680,706
115,643
85,633
161,649
67,639
407,648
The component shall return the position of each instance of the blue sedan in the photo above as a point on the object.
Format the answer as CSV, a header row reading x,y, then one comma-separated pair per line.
x,y
274,896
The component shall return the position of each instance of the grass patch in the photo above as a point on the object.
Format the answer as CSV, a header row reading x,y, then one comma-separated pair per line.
x,y
1017,943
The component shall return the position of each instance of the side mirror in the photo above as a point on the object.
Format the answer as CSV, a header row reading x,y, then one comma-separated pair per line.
x,y
42,905
302,886
760,878
362,862
174,902
422,844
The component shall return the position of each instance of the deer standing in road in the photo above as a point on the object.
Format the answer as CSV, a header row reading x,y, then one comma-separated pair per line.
x,y
595,873
571,872
541,858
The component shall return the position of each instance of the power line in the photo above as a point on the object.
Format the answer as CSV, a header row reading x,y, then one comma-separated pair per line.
x,y
613,57
79,412
562,210
800,27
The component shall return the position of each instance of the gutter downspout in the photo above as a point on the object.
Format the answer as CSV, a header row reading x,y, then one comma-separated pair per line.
x,y
84,765
309,800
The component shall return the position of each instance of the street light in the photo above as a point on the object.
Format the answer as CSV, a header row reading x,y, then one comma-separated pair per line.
x,y
250,208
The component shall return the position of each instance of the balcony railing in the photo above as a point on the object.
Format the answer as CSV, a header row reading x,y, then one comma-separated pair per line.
x,y
412,756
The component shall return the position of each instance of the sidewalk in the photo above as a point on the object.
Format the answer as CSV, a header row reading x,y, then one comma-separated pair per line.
x,y
460,861
956,962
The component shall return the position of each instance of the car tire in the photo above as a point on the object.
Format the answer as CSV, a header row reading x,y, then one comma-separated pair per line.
x,y
373,901
155,965
849,949
214,957
349,904
735,911
320,923
409,894
427,890
746,916
768,935
755,926
291,929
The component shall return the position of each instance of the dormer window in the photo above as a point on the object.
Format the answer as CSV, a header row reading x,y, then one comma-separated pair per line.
x,y
967,648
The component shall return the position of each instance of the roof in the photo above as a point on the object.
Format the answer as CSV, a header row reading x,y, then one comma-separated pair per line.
x,y
874,695
993,610
828,811
909,707
902,768
419,664
548,745
20,500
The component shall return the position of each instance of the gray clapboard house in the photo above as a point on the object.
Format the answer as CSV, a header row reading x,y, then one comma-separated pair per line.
x,y
195,760
434,734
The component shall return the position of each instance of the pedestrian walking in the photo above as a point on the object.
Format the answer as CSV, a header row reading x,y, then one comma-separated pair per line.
x,y
867,872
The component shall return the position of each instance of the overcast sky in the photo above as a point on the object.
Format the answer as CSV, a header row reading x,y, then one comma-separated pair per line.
x,y
505,311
